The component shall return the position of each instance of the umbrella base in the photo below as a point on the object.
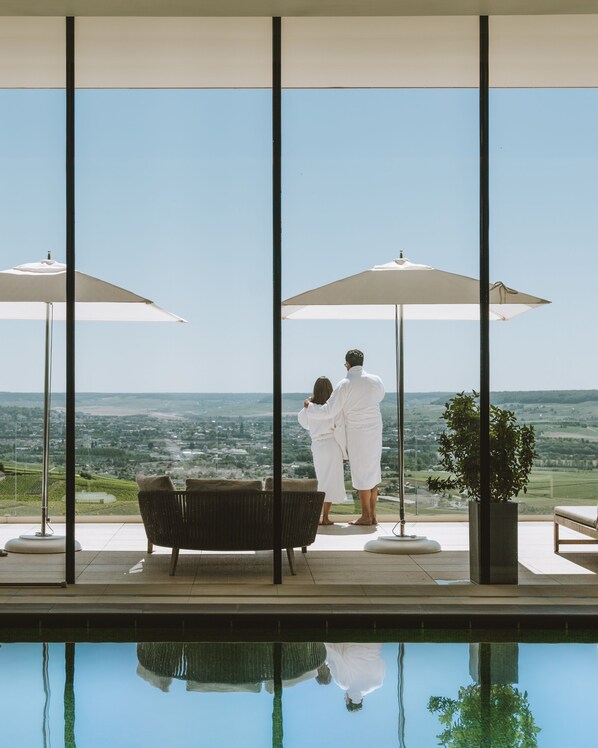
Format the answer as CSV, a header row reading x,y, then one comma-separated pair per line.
x,y
39,544
408,545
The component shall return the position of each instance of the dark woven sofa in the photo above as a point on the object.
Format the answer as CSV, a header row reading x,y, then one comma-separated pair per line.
x,y
231,663
225,520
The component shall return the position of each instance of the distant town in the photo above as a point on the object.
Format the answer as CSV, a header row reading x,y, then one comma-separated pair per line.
x,y
230,435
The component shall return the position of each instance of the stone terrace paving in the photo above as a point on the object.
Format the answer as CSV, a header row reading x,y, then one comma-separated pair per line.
x,y
115,574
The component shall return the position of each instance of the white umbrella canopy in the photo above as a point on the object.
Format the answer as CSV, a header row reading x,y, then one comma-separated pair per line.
x,y
424,292
26,291
402,290
37,291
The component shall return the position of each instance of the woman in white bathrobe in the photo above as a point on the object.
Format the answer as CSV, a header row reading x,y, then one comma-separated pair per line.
x,y
329,449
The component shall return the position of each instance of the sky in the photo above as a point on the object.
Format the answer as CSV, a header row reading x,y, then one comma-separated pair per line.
x,y
173,201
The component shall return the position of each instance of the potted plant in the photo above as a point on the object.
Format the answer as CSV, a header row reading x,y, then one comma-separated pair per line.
x,y
512,450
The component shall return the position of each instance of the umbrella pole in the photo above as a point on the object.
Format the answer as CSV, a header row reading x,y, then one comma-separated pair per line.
x,y
400,694
400,389
43,541
399,542
46,436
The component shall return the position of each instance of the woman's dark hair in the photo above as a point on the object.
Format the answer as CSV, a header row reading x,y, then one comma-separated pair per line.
x,y
322,390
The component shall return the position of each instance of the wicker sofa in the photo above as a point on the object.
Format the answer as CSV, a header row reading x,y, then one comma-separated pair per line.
x,y
222,519
226,666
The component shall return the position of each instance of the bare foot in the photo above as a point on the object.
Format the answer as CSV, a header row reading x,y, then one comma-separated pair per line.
x,y
362,521
326,522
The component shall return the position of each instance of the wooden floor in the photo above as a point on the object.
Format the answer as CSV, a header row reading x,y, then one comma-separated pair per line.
x,y
115,574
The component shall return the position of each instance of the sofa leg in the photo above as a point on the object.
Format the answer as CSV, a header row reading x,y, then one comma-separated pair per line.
x,y
303,549
291,557
150,547
556,537
174,557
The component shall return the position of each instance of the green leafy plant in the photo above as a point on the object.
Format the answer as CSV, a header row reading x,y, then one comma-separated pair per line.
x,y
512,450
509,722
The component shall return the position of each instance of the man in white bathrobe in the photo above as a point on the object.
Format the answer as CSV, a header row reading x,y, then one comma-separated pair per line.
x,y
358,397
358,669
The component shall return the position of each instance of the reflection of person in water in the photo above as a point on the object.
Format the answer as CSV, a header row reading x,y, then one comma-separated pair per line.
x,y
356,668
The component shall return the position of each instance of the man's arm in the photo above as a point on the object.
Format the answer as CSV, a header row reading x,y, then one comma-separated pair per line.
x,y
333,407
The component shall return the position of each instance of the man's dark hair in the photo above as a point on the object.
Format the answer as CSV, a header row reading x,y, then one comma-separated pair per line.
x,y
354,357
354,706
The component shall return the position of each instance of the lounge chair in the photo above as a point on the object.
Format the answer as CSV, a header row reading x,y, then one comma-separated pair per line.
x,y
582,519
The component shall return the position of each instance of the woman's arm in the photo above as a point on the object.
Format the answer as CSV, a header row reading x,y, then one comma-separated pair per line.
x,y
302,418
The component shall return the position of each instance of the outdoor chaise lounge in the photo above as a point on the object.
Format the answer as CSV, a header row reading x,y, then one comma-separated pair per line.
x,y
582,519
227,516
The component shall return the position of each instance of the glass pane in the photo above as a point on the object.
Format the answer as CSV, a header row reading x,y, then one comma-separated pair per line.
x,y
544,162
173,203
32,188
370,173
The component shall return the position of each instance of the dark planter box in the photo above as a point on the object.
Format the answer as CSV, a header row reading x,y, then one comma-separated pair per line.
x,y
496,662
503,542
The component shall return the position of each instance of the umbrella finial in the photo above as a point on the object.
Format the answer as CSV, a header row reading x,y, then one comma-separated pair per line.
x,y
49,255
401,255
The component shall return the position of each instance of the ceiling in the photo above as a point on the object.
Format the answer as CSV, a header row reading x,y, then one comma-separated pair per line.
x,y
546,51
293,7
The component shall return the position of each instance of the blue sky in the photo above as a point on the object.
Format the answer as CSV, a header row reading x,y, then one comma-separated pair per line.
x,y
174,202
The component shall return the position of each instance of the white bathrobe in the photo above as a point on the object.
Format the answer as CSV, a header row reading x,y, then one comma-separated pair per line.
x,y
356,668
328,447
358,398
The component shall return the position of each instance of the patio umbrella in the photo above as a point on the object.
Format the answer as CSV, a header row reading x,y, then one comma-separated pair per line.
x,y
37,291
402,290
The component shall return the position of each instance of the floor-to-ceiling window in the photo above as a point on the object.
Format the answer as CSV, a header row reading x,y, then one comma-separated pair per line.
x,y
173,173
32,188
543,167
380,124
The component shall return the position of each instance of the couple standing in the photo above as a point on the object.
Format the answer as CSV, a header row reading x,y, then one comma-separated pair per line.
x,y
345,422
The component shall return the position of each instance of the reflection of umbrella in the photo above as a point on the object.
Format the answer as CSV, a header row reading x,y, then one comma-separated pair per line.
x,y
37,291
402,290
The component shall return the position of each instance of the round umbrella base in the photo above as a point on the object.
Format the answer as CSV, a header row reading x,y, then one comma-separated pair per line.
x,y
39,544
407,545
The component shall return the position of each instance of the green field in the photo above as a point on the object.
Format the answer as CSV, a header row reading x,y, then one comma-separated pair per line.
x,y
20,494
546,489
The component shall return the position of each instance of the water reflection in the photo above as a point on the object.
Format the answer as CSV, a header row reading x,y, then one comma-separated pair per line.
x,y
357,669
293,694
490,712
228,667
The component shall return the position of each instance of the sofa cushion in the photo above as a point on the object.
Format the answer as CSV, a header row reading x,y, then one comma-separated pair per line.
x,y
154,483
294,485
585,515
219,484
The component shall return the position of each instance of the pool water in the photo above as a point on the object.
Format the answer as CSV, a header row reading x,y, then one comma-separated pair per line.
x,y
298,695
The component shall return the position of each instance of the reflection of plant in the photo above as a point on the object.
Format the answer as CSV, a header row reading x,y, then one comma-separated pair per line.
x,y
511,450
510,721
